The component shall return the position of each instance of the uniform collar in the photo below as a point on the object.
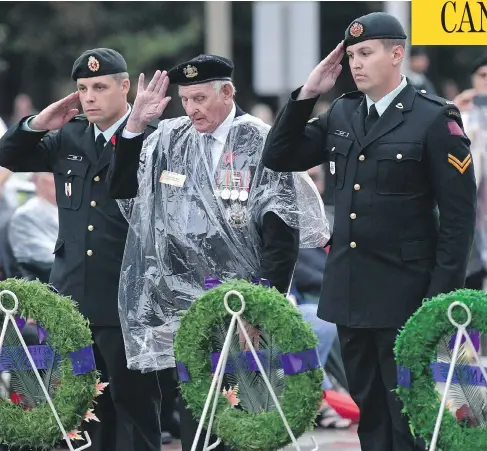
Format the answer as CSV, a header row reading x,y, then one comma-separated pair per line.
x,y
110,131
383,103
221,132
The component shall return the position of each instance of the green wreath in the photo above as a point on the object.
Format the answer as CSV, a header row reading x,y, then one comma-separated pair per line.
x,y
302,393
415,351
67,332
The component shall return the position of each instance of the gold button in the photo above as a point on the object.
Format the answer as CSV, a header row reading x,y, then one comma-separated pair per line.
x,y
96,179
89,253
356,187
353,216
91,228
69,172
361,158
93,203
423,91
398,156
353,244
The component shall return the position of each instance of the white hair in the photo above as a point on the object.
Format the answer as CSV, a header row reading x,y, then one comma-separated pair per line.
x,y
219,84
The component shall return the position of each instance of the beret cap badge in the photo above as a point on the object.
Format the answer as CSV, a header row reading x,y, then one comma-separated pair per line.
x,y
190,71
93,64
356,29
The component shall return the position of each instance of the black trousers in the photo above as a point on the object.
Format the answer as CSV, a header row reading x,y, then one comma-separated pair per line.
x,y
370,367
129,409
476,280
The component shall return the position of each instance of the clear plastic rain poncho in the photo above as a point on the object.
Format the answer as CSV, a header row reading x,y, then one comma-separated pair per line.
x,y
209,227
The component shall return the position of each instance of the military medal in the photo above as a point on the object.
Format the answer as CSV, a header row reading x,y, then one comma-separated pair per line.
x,y
235,184
67,189
244,192
225,192
218,184
237,215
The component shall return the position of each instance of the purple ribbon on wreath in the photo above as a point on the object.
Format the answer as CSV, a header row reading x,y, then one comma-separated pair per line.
x,y
83,360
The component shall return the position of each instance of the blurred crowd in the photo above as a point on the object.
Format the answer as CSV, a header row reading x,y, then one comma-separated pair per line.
x,y
29,228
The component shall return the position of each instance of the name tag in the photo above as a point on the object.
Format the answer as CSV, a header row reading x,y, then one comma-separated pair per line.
x,y
75,157
172,178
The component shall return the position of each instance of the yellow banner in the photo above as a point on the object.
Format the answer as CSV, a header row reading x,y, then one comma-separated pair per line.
x,y
442,22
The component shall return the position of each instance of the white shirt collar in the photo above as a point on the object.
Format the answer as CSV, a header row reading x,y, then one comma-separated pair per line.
x,y
383,103
110,131
221,132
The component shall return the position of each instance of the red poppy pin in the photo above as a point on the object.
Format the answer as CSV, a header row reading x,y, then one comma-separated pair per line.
x,y
114,139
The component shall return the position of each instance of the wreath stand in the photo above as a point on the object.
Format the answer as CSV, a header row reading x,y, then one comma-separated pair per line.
x,y
9,317
217,381
462,333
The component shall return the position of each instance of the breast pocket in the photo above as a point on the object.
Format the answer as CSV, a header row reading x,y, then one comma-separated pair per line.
x,y
70,177
338,148
400,169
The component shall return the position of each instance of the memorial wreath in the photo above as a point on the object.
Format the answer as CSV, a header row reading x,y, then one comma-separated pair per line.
x,y
418,370
301,394
63,355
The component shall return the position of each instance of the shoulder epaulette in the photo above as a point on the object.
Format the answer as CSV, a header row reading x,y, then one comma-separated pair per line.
x,y
154,124
434,98
79,117
352,95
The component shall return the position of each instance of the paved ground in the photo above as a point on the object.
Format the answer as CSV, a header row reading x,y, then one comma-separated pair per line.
x,y
327,440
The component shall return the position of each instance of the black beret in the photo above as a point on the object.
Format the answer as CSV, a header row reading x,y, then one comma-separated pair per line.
x,y
201,69
97,62
377,25
478,63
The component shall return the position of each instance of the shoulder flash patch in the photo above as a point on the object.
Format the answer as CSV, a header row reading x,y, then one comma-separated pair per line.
x,y
453,113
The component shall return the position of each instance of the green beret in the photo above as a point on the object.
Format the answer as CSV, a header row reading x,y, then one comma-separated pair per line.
x,y
98,62
377,25
202,69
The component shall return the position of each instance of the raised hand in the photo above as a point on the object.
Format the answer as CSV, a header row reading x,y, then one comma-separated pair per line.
x,y
323,77
57,114
150,102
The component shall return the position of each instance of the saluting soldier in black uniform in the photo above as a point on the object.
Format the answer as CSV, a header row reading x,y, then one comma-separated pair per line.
x,y
405,201
92,234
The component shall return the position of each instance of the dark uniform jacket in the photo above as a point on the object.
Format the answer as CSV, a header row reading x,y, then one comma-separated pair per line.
x,y
405,201
280,242
92,230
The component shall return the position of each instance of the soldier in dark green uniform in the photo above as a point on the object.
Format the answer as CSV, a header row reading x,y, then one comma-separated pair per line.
x,y
405,202
92,234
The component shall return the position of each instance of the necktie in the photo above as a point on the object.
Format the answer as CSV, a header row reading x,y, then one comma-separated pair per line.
x,y
100,144
208,140
371,118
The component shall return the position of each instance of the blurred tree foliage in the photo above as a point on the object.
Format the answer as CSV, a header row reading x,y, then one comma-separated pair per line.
x,y
39,42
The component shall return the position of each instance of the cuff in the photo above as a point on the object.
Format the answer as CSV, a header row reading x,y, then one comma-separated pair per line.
x,y
129,135
25,126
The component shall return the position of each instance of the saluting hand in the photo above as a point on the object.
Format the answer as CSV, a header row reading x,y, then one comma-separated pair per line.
x,y
149,103
57,114
323,77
